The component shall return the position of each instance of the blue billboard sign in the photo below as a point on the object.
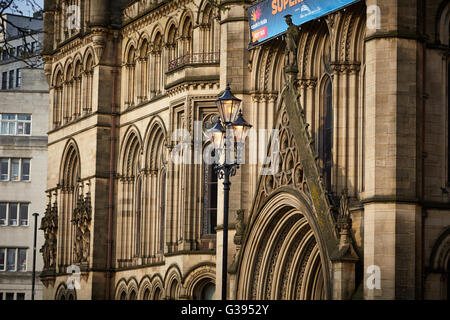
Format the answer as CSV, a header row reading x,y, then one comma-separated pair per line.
x,y
266,18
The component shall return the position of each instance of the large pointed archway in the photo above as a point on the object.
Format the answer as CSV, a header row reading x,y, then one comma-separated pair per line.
x,y
282,258
284,254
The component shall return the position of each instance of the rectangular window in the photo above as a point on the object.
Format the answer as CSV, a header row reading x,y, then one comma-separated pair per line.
x,y
3,206
15,169
22,260
4,79
5,54
1,295
11,79
4,169
25,172
20,51
11,260
2,259
12,52
15,124
12,214
18,78
20,296
24,214
9,296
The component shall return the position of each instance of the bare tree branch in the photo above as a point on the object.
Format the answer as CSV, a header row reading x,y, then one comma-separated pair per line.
x,y
28,35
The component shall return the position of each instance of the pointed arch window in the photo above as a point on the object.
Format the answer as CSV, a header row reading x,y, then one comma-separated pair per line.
x,y
209,198
186,37
77,89
156,67
68,86
143,72
131,76
57,100
89,75
326,134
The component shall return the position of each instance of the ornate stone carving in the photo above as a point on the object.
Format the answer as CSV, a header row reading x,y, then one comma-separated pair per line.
x,y
292,38
345,249
82,216
240,227
49,224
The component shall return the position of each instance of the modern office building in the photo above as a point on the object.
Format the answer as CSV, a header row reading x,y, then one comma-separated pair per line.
x,y
23,156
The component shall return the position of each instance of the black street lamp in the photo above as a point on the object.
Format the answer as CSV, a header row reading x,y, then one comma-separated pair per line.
x,y
227,136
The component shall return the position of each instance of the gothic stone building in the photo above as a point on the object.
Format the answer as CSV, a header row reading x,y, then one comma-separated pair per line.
x,y
358,206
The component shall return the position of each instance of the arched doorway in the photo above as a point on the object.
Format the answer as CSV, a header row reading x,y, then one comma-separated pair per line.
x,y
282,257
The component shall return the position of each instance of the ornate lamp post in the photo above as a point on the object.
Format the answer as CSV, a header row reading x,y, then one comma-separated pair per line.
x,y
227,136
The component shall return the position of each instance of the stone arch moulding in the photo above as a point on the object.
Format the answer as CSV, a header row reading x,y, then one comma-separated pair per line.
x,y
70,150
285,214
440,253
197,274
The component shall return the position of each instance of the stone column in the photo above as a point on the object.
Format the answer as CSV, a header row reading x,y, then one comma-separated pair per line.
x,y
234,57
391,212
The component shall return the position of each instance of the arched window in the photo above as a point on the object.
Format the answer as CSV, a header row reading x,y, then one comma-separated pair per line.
x,y
326,134
68,86
131,76
143,72
209,198
129,220
57,100
155,211
123,295
172,44
77,89
88,76
156,67
209,31
133,295
186,37
69,177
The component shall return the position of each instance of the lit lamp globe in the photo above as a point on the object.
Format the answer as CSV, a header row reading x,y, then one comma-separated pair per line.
x,y
228,106
217,134
240,128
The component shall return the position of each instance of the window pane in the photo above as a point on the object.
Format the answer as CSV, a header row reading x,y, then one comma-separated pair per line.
x,y
25,169
20,296
4,169
11,260
24,214
11,79
12,128
4,127
27,128
22,260
2,259
14,169
12,217
3,213
24,117
20,127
